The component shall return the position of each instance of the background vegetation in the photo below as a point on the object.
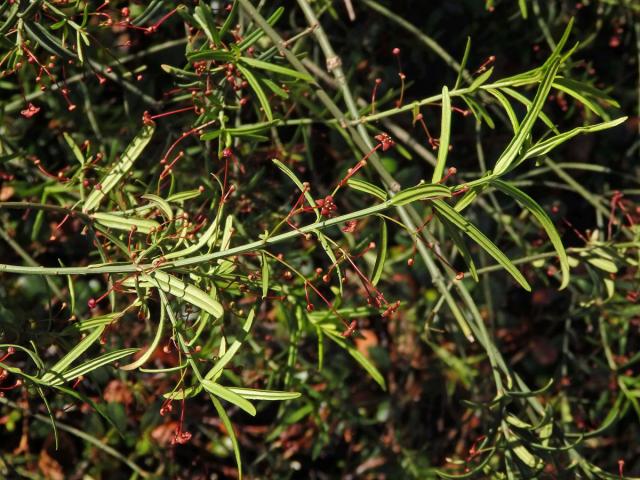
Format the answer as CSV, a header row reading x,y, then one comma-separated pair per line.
x,y
316,239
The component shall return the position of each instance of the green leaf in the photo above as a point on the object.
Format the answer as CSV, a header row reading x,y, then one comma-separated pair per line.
x,y
265,275
189,293
161,203
361,359
275,88
289,173
445,134
125,223
527,103
587,95
513,149
516,422
231,397
272,67
378,267
72,355
182,196
228,22
205,19
460,244
443,209
538,212
257,89
152,348
366,187
268,395
479,112
92,365
256,35
511,114
526,457
111,179
545,146
229,353
217,55
463,63
523,8
480,80
425,191
232,434
74,148
43,37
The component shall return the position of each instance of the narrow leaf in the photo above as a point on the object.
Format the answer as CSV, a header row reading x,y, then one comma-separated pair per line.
x,y
477,236
545,146
232,434
272,67
378,267
229,353
152,348
445,134
538,212
257,89
72,355
513,149
269,395
108,182
424,191
231,397
366,187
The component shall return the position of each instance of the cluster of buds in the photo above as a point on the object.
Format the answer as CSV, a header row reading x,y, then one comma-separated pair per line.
x,y
327,206
385,140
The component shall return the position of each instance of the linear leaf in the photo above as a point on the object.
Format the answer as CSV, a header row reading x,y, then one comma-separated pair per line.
x,y
111,179
507,107
538,212
378,267
73,354
545,146
513,149
445,134
125,223
269,395
477,236
366,187
361,359
425,191
161,203
189,293
256,35
527,103
265,275
463,63
294,178
74,148
229,353
232,434
480,79
92,365
460,244
271,67
205,19
231,397
257,89
152,348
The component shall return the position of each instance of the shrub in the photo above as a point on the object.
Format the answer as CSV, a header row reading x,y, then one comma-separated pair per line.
x,y
249,237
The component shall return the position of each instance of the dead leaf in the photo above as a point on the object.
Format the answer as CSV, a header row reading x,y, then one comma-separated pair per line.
x,y
367,340
6,193
118,392
50,467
